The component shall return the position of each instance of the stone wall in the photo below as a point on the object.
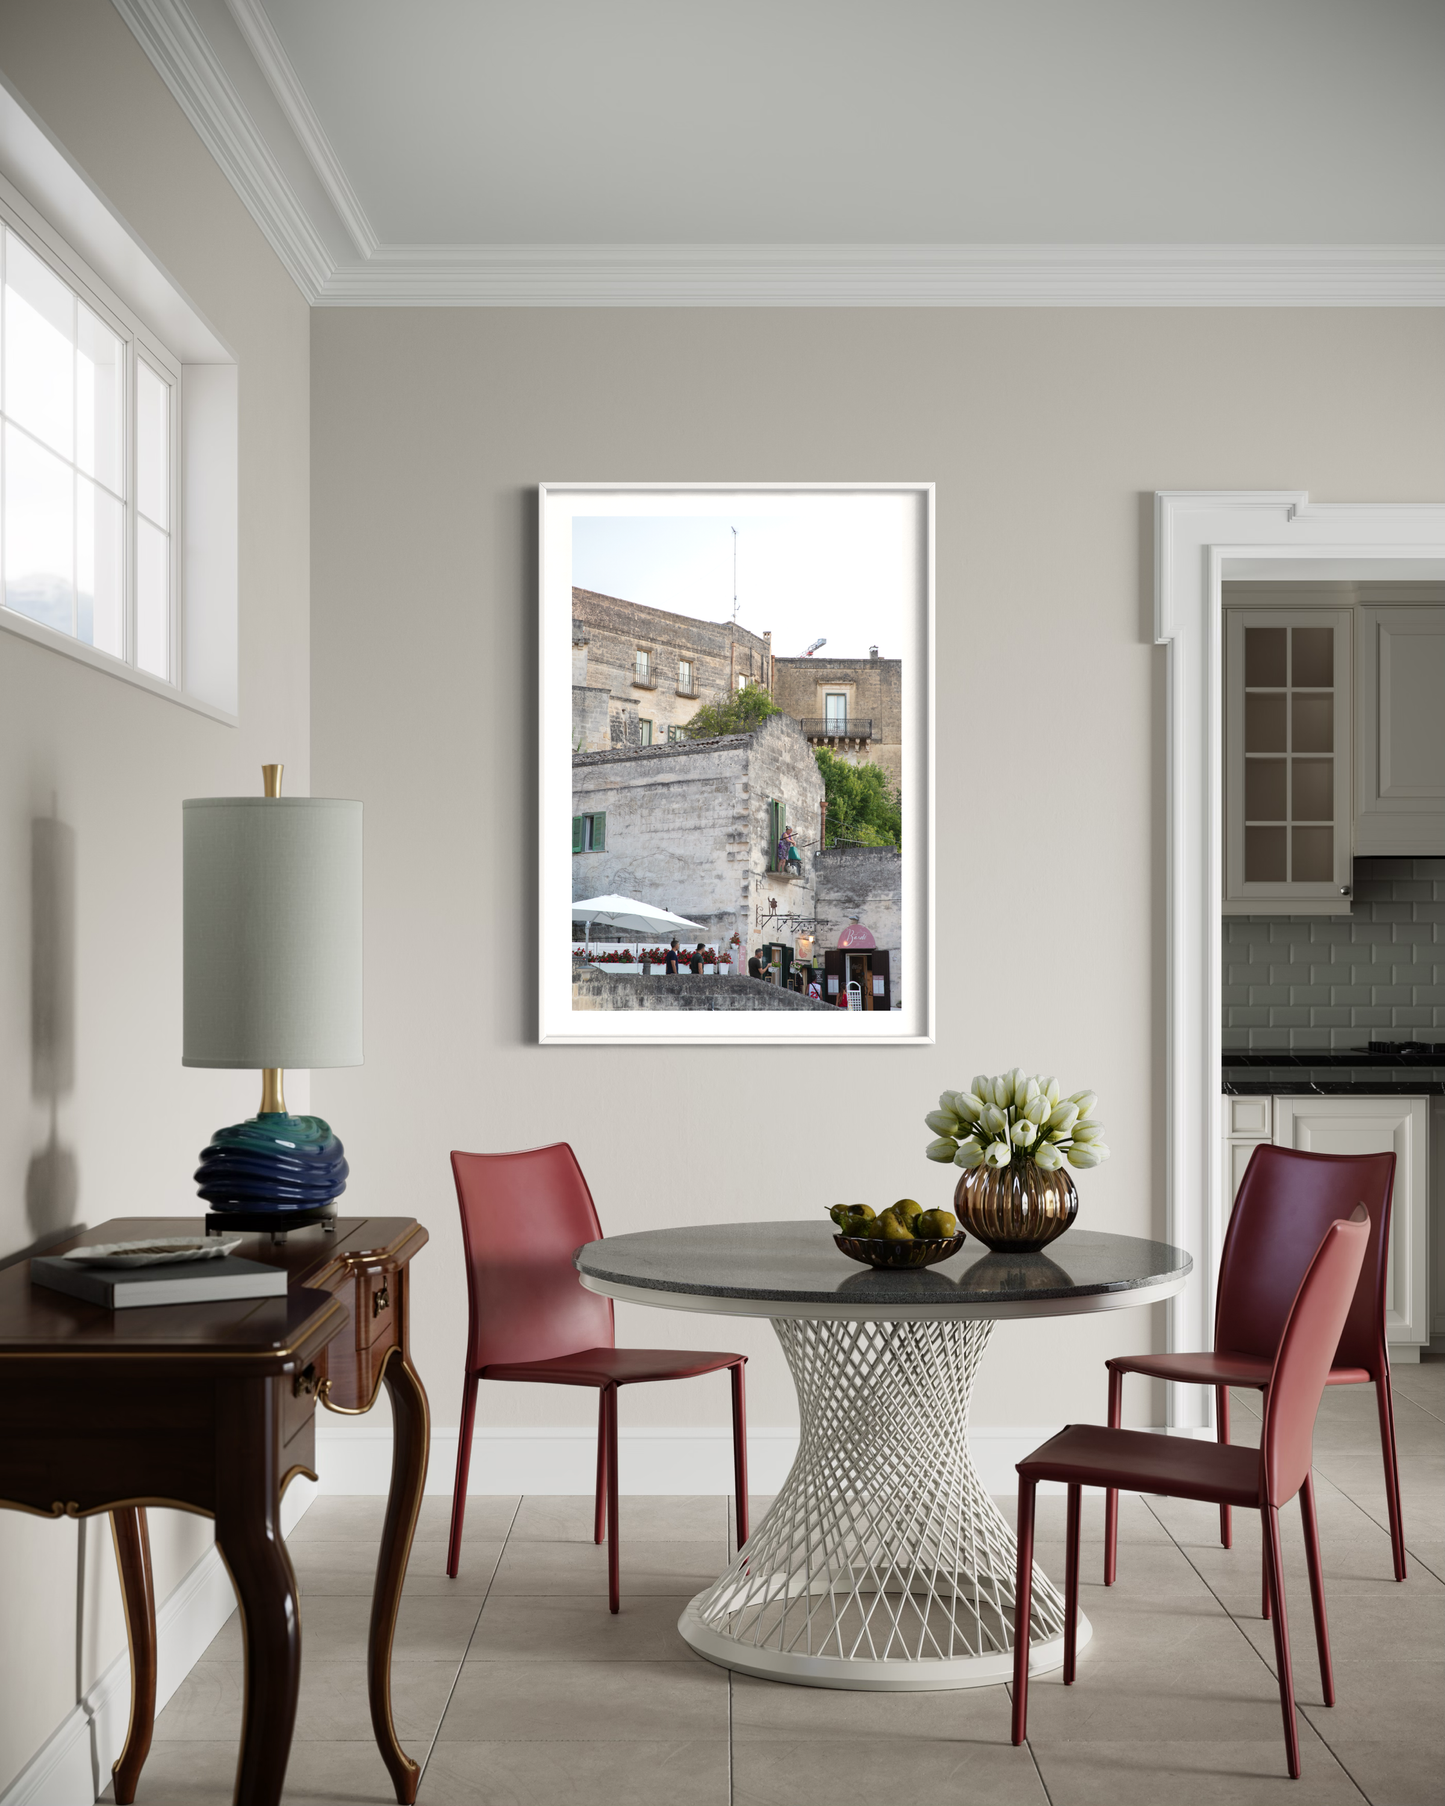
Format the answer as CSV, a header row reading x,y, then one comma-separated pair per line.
x,y
874,688
863,884
607,634
590,729
595,988
688,829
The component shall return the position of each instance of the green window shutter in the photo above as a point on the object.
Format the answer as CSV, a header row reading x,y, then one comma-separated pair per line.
x,y
599,833
576,833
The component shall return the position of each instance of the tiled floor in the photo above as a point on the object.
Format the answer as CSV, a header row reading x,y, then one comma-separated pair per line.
x,y
516,1687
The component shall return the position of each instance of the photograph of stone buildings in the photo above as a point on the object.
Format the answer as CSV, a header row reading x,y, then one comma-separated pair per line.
x,y
744,785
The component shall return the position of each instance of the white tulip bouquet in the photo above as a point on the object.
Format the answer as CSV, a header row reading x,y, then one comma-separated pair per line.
x,y
1016,1118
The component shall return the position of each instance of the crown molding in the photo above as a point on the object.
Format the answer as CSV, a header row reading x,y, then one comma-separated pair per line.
x,y
741,275
185,61
716,275
273,62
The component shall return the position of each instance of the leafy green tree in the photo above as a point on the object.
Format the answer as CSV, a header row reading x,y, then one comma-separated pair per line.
x,y
864,809
744,710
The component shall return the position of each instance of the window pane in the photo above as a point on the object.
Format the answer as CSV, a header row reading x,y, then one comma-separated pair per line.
x,y
1264,790
1313,724
1312,658
1264,657
39,348
99,367
152,599
39,533
99,592
1264,718
1312,855
1314,790
152,444
1264,855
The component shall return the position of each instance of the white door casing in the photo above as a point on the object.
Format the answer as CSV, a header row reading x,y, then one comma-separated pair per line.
x,y
1200,539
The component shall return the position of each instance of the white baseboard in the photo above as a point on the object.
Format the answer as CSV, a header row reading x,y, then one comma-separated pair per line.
x,y
358,1460
72,1767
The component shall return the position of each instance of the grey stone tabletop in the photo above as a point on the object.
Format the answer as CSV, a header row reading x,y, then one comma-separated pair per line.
x,y
797,1270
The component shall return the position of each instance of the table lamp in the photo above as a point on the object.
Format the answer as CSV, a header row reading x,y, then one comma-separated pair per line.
x,y
272,936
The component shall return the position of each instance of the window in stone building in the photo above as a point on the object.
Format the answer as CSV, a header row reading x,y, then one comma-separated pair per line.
x,y
644,666
589,833
676,733
741,680
644,729
684,675
835,711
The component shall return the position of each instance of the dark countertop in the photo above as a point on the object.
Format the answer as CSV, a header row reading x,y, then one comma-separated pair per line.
x,y
1350,1072
794,1269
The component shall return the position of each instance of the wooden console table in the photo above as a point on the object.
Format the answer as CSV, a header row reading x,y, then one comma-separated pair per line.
x,y
211,1408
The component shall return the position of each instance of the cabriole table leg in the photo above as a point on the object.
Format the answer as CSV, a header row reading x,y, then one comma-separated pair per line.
x,y
411,1435
883,1564
137,1592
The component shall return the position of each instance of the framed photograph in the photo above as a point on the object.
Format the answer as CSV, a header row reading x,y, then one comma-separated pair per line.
x,y
736,772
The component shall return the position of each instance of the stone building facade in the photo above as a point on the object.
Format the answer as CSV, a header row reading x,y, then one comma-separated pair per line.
x,y
640,674
863,886
853,706
690,826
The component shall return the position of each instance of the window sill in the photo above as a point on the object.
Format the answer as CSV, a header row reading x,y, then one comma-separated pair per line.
x,y
688,695
643,683
111,666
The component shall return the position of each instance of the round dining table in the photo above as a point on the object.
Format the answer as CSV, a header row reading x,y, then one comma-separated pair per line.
x,y
883,1564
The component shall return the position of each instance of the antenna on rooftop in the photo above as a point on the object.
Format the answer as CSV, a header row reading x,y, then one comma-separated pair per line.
x,y
735,576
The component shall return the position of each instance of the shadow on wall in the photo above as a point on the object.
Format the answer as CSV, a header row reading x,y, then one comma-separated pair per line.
x,y
52,1182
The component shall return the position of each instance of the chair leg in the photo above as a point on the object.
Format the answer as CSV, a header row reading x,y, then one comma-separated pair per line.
x,y
1221,1420
1264,1611
599,1520
1111,1495
1274,1565
1023,1603
1317,1586
1071,1585
1386,1404
614,1572
464,1462
740,1450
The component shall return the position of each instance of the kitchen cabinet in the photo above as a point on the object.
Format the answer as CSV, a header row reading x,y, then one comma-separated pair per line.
x,y
1288,760
1356,1125
1400,729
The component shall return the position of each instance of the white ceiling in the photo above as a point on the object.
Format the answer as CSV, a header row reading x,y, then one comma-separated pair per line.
x,y
443,148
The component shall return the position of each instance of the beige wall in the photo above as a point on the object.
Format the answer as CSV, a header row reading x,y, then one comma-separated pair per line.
x,y
109,764
1046,433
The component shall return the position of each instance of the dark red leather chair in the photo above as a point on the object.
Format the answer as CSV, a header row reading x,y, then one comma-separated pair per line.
x,y
1285,1201
524,1215
1263,1479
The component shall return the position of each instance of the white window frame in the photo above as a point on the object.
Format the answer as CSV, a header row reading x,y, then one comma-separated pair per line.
x,y
66,221
140,345
686,677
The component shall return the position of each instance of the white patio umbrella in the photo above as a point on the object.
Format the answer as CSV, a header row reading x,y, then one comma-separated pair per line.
x,y
627,912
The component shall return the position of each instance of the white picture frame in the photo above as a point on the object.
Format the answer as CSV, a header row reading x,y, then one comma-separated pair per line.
x,y
903,516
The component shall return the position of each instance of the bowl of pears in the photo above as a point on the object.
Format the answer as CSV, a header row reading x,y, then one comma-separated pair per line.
x,y
904,1235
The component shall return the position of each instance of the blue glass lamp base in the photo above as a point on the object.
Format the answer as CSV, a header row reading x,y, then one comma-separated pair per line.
x,y
281,1169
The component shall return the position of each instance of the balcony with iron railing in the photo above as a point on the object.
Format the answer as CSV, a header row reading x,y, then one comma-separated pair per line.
x,y
838,727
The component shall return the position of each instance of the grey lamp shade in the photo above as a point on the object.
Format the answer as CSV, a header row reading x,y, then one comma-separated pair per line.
x,y
272,931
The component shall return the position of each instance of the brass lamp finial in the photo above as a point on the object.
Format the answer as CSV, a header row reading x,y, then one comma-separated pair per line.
x,y
271,779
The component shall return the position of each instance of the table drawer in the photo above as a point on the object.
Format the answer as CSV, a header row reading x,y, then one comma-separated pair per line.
x,y
297,1398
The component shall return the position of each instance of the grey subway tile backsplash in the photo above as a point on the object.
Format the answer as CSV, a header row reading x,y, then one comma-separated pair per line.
x,y
1303,982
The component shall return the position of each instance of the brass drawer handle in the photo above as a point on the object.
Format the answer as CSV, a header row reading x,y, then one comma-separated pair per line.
x,y
308,1384
380,1300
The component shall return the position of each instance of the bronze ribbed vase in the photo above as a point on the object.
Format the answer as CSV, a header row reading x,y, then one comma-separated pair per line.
x,y
1015,1208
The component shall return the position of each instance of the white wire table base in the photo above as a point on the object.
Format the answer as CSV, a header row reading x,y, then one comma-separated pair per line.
x,y
883,1565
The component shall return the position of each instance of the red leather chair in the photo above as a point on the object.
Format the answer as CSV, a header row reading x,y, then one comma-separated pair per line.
x,y
524,1215
1263,1479
1285,1201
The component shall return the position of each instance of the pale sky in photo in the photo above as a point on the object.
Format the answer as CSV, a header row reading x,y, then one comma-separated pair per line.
x,y
838,567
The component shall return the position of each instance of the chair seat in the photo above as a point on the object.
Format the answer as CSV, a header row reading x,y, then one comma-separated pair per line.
x,y
613,1366
1090,1455
1221,1369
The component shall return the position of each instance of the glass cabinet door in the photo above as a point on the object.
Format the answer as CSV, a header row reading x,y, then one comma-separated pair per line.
x,y
1287,760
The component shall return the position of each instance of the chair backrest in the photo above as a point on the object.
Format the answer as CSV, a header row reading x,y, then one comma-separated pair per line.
x,y
523,1217
1306,1349
1287,1199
